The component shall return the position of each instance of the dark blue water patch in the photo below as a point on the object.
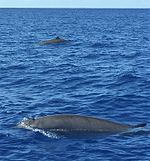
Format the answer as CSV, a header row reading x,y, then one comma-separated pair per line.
x,y
131,99
72,82
131,55
103,45
66,65
126,78
93,55
146,38
15,67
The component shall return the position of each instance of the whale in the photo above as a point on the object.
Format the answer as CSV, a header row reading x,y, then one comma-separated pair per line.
x,y
56,40
71,122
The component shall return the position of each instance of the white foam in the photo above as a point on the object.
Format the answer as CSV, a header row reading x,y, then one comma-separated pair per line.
x,y
45,133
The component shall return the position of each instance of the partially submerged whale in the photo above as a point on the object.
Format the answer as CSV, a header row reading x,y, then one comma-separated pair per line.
x,y
69,122
53,41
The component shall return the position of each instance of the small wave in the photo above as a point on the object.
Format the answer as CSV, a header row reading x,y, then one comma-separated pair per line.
x,y
131,55
66,65
72,80
15,67
126,78
136,132
92,56
146,38
20,81
103,45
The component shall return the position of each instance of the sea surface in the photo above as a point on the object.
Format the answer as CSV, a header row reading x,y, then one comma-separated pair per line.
x,y
103,71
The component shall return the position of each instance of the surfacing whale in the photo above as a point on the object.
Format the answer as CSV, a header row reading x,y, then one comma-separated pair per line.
x,y
53,41
69,122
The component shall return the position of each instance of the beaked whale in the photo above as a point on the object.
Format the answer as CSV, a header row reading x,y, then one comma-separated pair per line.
x,y
53,41
70,122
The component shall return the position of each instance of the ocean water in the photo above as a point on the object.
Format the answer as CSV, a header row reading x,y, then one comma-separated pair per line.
x,y
103,71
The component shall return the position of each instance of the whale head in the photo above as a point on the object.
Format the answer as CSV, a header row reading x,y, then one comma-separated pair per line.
x,y
27,123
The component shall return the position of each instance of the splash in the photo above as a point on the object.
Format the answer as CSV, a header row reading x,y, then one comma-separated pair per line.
x,y
47,133
43,132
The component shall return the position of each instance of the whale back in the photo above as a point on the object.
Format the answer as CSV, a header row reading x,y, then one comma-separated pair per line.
x,y
52,41
77,123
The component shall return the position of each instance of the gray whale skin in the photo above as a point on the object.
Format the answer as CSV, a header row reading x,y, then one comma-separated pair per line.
x,y
53,41
69,122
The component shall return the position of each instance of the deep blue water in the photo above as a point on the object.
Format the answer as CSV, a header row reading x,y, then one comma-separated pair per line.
x,y
104,71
